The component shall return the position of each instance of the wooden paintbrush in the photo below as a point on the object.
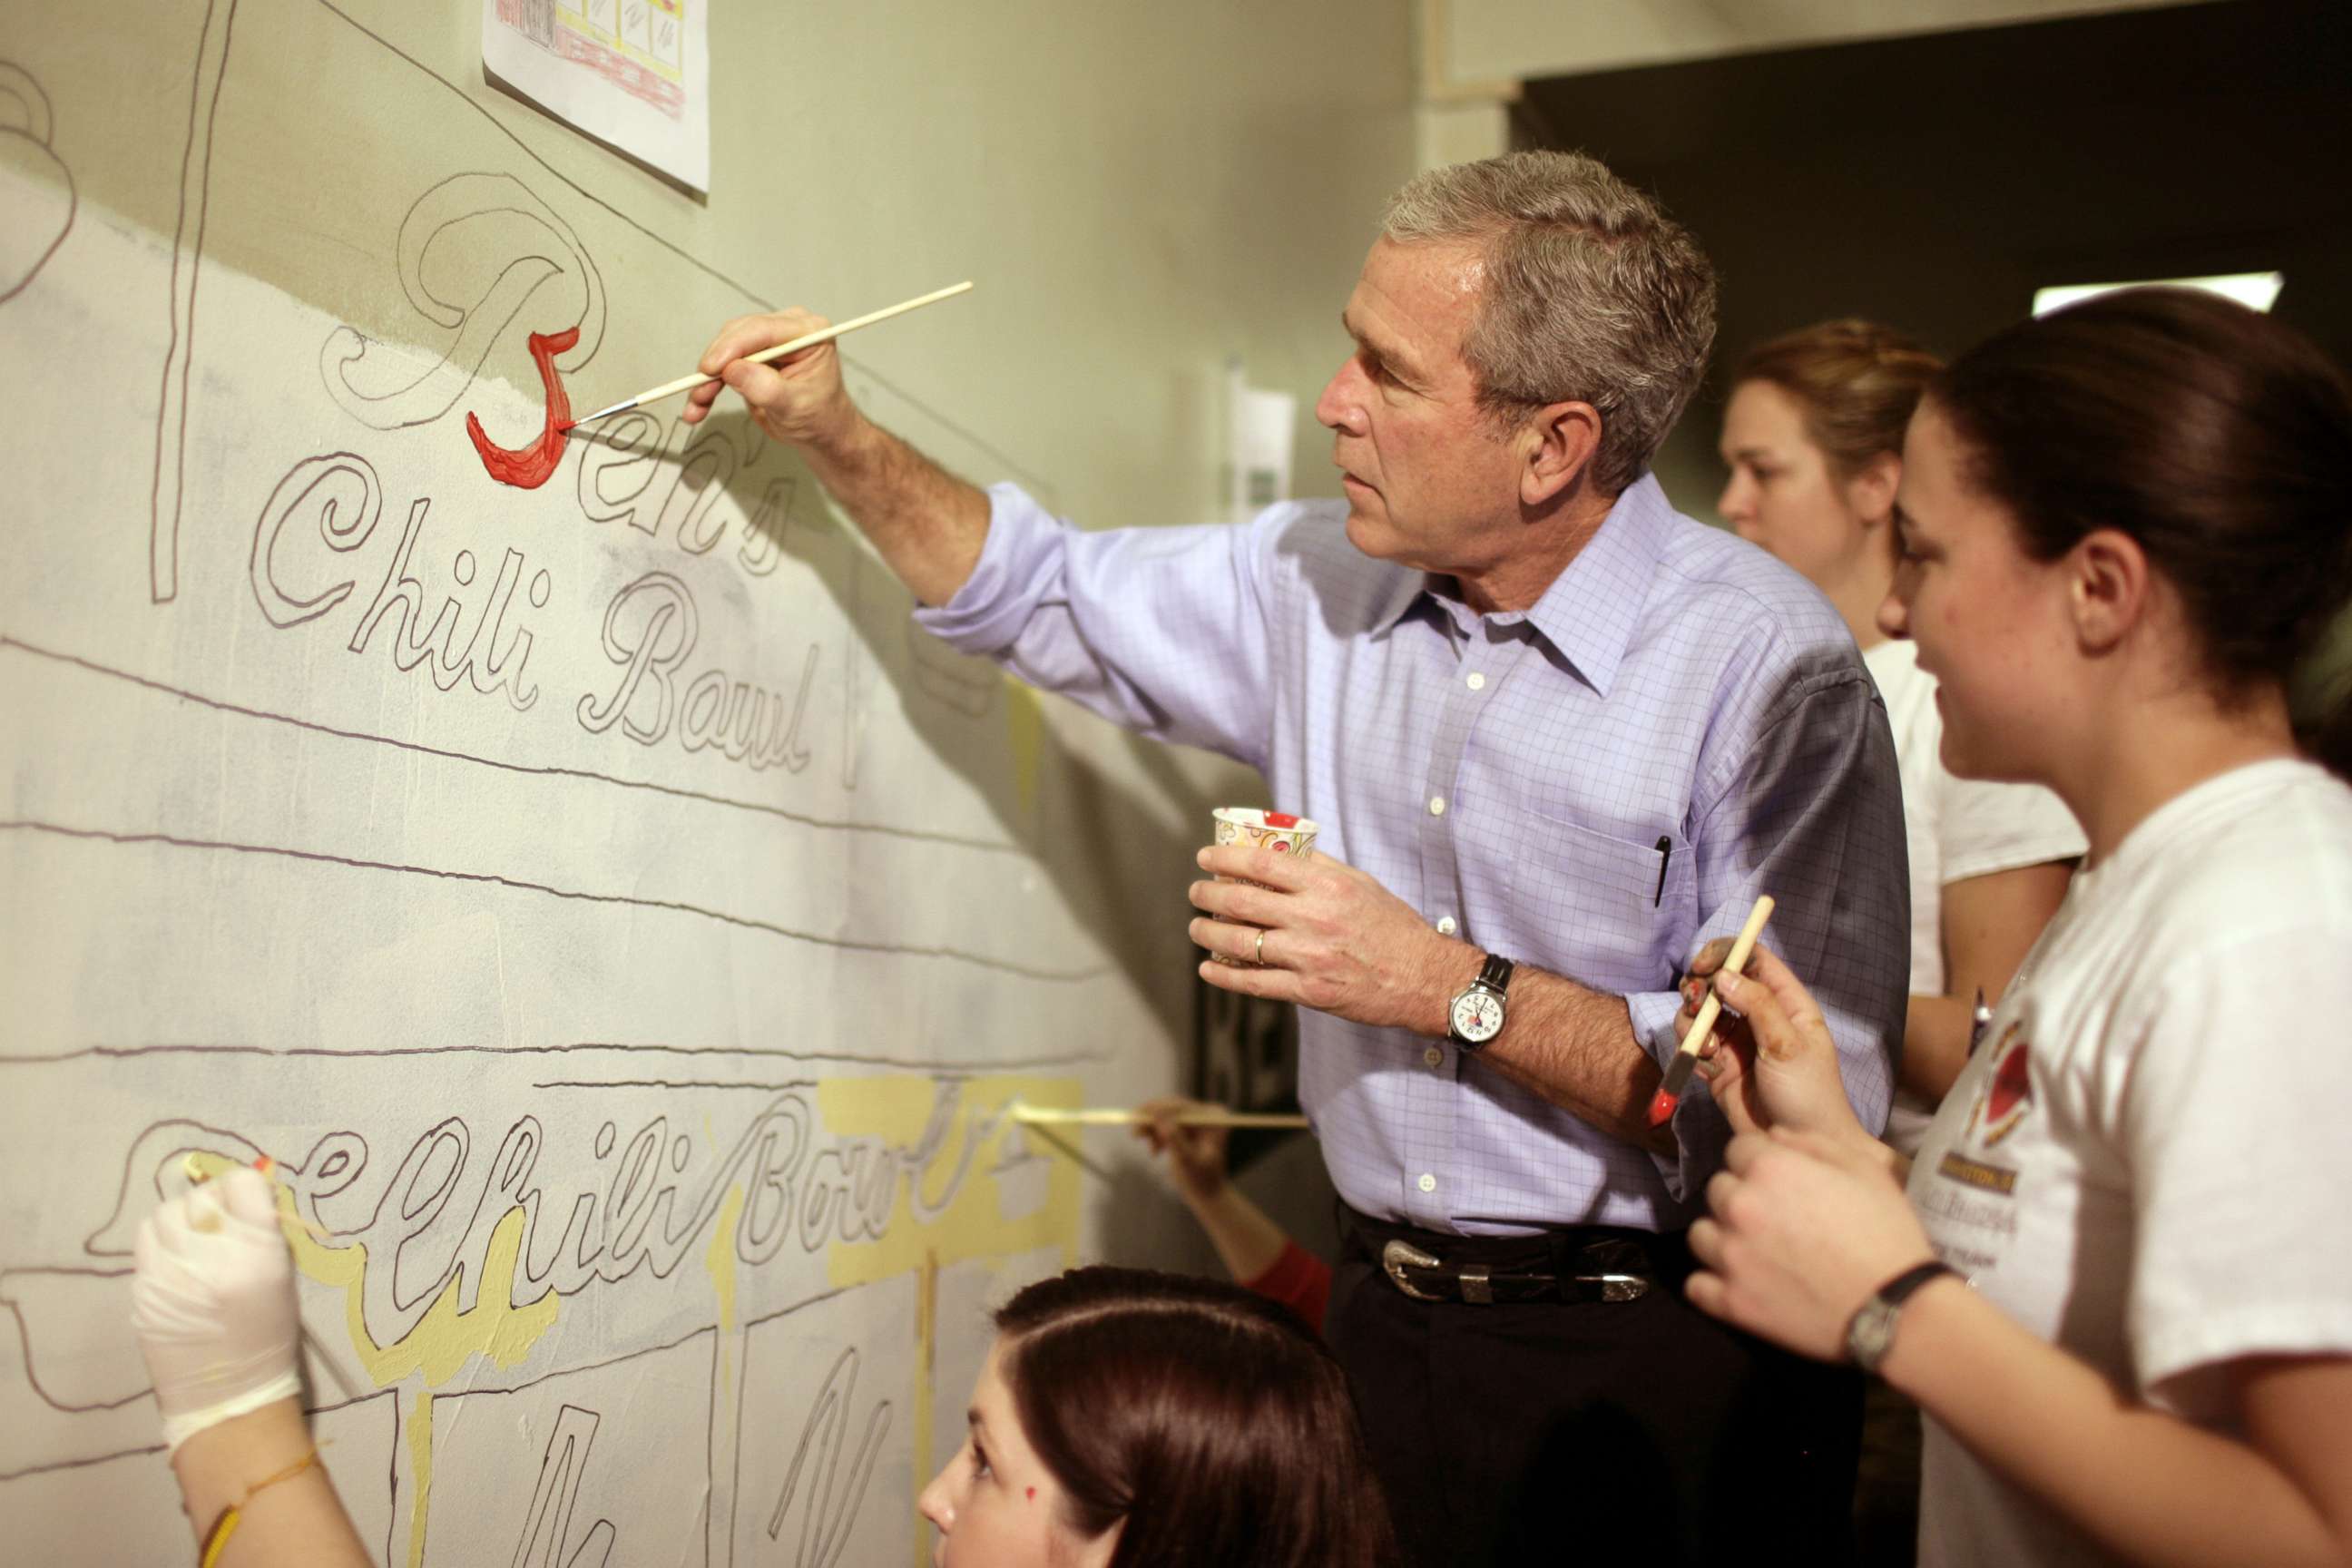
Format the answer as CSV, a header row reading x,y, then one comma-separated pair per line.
x,y
809,341
1678,1071
1113,1116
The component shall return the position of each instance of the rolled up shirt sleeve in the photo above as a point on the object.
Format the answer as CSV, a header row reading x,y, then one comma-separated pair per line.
x,y
1810,812
1161,630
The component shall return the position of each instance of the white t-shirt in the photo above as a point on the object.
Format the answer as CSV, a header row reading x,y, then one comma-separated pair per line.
x,y
1955,828
2146,1163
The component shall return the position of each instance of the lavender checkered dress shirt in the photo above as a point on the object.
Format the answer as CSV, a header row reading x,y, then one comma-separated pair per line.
x,y
1512,777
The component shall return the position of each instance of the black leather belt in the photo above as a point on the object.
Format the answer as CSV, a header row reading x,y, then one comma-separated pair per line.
x,y
1573,1264
1625,1278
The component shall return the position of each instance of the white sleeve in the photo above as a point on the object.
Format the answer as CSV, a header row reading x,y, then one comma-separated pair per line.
x,y
2232,1122
1982,828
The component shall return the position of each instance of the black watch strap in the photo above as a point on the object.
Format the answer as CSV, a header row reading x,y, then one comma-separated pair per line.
x,y
1494,978
1897,1291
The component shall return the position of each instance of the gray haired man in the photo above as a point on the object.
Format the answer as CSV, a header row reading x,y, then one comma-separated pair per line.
x,y
1558,736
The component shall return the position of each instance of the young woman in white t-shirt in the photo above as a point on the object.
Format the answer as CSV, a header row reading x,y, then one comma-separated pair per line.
x,y
1814,439
2123,525
1812,436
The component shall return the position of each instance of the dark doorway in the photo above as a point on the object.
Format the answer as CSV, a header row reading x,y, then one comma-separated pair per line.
x,y
1933,183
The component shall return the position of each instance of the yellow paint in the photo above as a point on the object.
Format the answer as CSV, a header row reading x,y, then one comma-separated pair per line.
x,y
1024,730
897,1110
420,1470
927,1365
719,1256
720,1259
444,1340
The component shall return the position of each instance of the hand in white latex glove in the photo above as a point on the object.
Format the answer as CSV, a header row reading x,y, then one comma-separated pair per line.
x,y
214,1305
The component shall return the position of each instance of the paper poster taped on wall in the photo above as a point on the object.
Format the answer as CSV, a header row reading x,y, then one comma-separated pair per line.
x,y
632,73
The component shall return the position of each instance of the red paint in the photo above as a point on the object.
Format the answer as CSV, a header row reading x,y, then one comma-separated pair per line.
x,y
528,467
2012,1085
1662,1108
1280,819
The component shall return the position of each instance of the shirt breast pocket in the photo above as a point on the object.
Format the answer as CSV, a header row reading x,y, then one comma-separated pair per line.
x,y
1607,908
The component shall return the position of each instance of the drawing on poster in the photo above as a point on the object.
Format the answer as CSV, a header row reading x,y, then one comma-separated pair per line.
x,y
634,73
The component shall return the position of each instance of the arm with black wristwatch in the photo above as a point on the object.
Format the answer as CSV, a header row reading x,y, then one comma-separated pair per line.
x,y
1813,1243
1314,931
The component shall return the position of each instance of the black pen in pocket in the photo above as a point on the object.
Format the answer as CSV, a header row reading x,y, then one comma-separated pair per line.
x,y
1665,852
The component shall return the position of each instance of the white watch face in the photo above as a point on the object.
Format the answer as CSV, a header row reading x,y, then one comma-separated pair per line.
x,y
1871,1334
1478,1015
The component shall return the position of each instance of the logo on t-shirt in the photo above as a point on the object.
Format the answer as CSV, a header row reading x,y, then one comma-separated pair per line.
x,y
2007,1095
2004,1096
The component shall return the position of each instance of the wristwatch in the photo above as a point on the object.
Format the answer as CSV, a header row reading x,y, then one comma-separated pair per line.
x,y
1476,1016
1870,1333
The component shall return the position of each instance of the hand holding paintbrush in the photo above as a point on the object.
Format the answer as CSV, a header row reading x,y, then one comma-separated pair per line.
x,y
1679,1070
1775,1065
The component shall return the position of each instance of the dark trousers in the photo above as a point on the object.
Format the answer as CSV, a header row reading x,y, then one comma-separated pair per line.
x,y
1554,1432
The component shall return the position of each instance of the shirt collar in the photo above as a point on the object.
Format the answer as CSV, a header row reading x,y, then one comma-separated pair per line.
x,y
1590,610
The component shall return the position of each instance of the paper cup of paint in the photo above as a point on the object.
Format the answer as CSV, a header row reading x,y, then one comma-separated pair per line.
x,y
1275,830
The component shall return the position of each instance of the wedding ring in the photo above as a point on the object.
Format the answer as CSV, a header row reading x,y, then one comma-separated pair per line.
x,y
1257,955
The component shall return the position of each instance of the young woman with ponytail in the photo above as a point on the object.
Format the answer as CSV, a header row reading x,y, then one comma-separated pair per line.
x,y
2123,527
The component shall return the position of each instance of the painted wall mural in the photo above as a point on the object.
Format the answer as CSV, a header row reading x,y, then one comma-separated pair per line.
x,y
623,931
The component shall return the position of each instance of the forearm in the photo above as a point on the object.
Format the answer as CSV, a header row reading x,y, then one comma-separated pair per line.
x,y
927,525
1246,1239
1935,1044
2148,1487
299,1520
1575,1048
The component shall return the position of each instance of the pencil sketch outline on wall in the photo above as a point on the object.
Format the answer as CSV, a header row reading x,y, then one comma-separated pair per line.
x,y
341,491
437,243
170,478
205,78
622,459
450,1235
831,1497
28,132
650,628
547,1520
10,643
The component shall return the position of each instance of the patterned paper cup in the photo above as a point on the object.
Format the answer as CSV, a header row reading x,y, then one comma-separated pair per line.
x,y
1275,830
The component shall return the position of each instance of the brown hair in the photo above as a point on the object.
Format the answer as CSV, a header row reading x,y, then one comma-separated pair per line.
x,y
1855,382
1208,1421
2219,438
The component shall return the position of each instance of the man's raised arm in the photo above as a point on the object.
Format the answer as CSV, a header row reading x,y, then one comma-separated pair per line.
x,y
927,524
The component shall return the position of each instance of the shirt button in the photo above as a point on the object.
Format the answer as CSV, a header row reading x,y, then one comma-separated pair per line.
x,y
1477,682
1428,1183
1445,926
1437,805
1434,1057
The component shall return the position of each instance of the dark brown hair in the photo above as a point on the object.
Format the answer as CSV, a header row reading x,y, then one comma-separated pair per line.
x,y
1209,1421
1855,382
2218,437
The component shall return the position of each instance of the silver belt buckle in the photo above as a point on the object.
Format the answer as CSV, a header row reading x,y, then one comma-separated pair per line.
x,y
1611,1262
1398,1256
1617,1287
